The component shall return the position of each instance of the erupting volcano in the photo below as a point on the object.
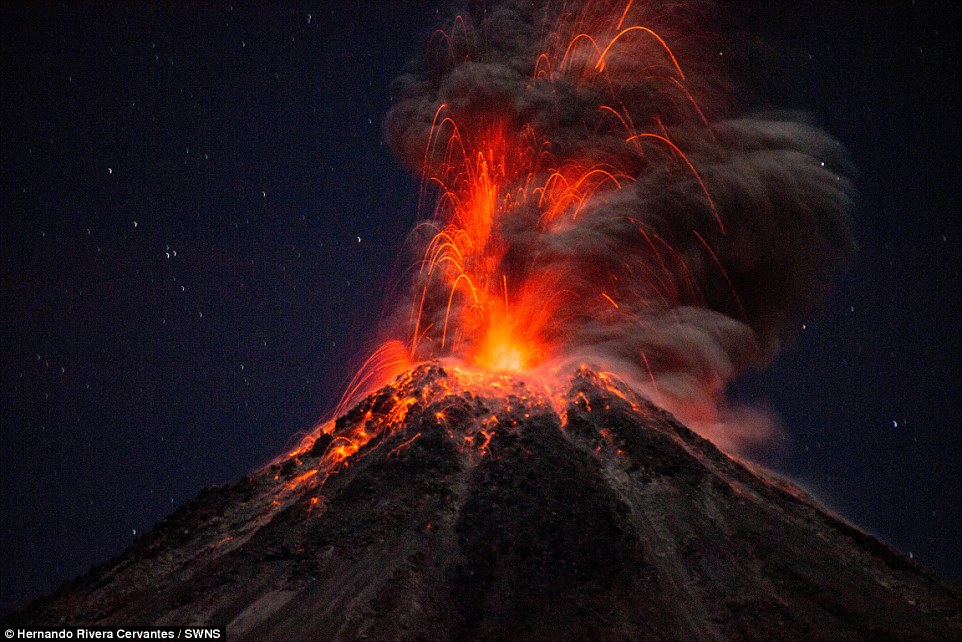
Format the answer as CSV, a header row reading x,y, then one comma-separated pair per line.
x,y
602,248
587,201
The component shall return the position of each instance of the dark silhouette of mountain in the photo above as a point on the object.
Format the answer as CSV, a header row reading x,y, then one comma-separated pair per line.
x,y
483,509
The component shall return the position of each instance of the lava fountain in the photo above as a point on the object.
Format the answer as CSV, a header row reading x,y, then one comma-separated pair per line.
x,y
586,199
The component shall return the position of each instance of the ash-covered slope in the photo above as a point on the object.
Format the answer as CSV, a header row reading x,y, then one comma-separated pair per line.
x,y
478,511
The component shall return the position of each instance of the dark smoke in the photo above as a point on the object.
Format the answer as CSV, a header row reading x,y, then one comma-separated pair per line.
x,y
698,304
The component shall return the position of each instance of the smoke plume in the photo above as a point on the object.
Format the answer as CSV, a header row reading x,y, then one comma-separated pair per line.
x,y
589,197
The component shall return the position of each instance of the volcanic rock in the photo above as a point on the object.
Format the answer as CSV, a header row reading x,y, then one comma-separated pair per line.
x,y
479,508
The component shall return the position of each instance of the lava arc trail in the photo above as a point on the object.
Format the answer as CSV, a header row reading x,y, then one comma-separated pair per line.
x,y
586,199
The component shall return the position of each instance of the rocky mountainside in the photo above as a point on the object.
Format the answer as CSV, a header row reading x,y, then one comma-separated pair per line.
x,y
444,507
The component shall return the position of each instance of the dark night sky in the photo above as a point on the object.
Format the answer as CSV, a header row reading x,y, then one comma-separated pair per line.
x,y
184,288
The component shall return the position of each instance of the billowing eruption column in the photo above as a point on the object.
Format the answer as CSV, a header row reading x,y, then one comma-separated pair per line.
x,y
584,202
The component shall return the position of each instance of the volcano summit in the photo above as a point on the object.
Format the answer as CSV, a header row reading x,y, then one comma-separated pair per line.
x,y
480,508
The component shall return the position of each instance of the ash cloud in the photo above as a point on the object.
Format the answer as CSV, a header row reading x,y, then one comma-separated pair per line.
x,y
706,285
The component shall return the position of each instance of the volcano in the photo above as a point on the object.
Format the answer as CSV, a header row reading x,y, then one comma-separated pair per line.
x,y
481,507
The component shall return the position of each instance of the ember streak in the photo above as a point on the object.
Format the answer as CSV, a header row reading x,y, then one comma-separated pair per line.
x,y
585,202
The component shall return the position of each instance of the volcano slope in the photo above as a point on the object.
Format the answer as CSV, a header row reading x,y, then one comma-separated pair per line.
x,y
485,510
